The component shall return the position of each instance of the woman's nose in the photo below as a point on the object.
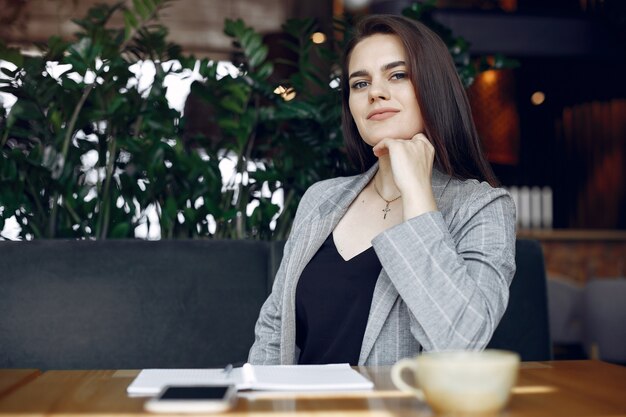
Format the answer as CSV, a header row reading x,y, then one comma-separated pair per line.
x,y
378,91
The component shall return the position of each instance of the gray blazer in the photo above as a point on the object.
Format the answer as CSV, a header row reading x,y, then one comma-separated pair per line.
x,y
445,278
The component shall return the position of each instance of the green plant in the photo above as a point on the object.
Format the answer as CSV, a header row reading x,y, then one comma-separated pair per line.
x,y
92,109
144,158
290,143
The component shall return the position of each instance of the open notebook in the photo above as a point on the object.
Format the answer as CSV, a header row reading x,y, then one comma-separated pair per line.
x,y
334,377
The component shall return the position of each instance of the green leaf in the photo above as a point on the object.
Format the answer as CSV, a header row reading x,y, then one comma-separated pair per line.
x,y
141,9
120,230
228,124
246,37
252,43
130,23
77,62
230,104
81,48
56,119
56,48
208,69
230,214
233,28
170,209
23,110
117,102
12,55
190,215
239,90
265,70
9,170
258,56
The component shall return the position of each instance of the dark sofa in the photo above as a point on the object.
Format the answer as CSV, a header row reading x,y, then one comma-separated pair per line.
x,y
129,304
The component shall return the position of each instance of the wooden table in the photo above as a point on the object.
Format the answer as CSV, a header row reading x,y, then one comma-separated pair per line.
x,y
564,388
11,379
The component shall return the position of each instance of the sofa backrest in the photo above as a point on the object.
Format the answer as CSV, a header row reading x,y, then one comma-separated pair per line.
x,y
129,304
123,304
525,328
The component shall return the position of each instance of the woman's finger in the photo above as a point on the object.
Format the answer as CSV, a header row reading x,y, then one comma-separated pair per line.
x,y
381,148
380,152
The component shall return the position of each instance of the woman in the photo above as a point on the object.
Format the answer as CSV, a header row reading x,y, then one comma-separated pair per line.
x,y
417,252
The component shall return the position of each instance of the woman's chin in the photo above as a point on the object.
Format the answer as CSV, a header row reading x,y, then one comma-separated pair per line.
x,y
373,141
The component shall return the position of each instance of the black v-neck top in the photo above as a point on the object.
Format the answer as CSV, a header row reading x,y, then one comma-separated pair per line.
x,y
333,299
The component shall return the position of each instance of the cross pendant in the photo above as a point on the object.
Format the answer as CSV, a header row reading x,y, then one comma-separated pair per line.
x,y
386,210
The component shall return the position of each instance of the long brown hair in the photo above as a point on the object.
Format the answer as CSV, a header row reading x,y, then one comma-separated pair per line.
x,y
448,122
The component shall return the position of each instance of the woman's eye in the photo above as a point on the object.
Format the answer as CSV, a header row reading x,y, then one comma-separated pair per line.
x,y
398,75
359,84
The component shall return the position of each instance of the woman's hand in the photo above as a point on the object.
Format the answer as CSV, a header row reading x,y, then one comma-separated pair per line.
x,y
411,165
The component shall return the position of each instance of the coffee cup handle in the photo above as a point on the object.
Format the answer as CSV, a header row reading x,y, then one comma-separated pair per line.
x,y
398,381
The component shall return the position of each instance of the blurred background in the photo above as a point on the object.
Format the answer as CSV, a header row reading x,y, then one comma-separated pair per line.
x,y
555,123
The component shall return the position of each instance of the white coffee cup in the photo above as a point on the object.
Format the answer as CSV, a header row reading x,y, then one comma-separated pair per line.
x,y
460,381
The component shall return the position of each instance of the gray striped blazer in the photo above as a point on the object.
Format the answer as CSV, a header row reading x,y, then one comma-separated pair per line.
x,y
445,278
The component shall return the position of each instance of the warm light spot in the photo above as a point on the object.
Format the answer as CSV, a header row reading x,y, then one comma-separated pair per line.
x,y
533,389
538,98
508,5
318,37
286,93
489,77
289,94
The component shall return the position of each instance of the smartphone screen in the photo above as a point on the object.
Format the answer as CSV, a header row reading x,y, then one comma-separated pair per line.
x,y
193,399
194,393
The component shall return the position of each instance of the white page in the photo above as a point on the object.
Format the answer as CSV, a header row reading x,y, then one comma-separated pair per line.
x,y
272,378
152,381
309,378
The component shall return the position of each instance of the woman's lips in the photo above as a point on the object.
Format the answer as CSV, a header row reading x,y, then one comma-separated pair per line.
x,y
382,114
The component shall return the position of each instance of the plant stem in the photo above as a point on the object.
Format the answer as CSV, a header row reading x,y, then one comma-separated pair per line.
x,y
53,215
4,138
252,137
70,126
66,146
71,211
35,229
105,206
242,168
35,197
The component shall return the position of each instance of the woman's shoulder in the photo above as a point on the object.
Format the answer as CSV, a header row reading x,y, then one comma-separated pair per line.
x,y
473,193
468,202
324,190
330,185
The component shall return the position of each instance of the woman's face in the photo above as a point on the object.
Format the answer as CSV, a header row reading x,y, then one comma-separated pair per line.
x,y
382,98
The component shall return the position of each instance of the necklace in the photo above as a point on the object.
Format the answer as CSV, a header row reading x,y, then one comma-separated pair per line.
x,y
386,209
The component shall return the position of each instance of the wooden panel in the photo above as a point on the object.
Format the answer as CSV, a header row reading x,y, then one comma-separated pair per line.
x,y
592,167
197,25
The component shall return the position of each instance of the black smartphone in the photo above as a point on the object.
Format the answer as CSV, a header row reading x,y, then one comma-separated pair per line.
x,y
193,399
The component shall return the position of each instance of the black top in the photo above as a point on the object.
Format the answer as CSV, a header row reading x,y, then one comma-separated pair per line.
x,y
333,299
